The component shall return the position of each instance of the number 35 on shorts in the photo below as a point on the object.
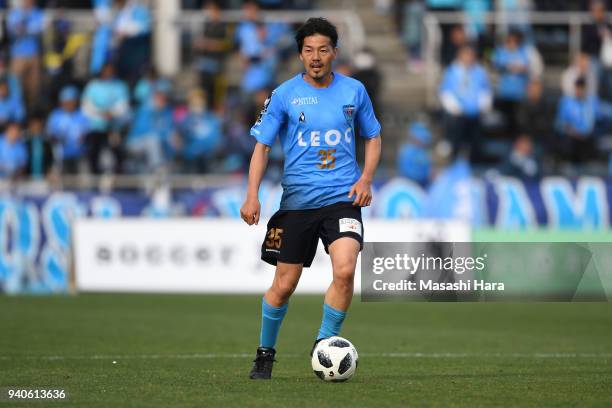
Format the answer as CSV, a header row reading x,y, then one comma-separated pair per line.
x,y
274,238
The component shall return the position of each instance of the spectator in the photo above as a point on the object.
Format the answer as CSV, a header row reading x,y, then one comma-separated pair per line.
x,y
245,31
594,33
103,36
237,149
212,49
151,128
143,92
40,161
522,160
577,118
457,40
25,25
414,158
257,49
67,127
411,33
260,59
535,113
512,62
583,66
61,48
200,133
13,82
11,108
105,104
367,72
13,154
453,36
465,94
280,37
132,34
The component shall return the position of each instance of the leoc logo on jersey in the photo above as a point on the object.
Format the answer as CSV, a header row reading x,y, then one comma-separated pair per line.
x,y
302,117
308,100
349,112
328,138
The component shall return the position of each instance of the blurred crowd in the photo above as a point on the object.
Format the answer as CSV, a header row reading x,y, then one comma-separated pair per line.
x,y
74,102
77,99
502,111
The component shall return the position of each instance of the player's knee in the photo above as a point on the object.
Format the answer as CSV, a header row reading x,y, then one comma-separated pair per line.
x,y
345,268
284,288
344,275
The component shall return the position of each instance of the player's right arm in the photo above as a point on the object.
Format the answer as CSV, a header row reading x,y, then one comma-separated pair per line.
x,y
259,161
264,130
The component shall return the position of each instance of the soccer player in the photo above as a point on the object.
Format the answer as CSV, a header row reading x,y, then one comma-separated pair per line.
x,y
315,114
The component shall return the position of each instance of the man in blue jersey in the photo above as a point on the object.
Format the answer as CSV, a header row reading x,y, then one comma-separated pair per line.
x,y
315,115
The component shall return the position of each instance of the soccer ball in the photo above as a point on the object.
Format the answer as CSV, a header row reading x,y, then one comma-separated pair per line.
x,y
334,359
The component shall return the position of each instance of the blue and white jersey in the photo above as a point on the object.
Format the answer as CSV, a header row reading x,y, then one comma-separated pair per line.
x,y
581,115
511,85
13,156
24,27
70,129
316,127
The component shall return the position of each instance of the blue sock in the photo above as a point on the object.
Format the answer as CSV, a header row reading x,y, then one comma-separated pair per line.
x,y
331,323
271,319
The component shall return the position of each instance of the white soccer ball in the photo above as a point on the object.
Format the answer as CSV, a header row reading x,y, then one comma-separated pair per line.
x,y
334,359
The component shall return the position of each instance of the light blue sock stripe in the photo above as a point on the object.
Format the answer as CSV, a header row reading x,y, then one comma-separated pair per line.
x,y
331,322
271,319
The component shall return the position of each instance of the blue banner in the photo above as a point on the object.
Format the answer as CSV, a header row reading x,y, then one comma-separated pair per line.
x,y
35,231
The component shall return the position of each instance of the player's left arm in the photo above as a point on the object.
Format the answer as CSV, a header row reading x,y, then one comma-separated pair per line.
x,y
370,131
362,189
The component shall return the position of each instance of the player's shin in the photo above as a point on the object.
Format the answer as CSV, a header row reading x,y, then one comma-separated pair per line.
x,y
331,322
271,320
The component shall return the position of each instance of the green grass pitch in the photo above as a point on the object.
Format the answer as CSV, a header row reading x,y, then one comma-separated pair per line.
x,y
196,351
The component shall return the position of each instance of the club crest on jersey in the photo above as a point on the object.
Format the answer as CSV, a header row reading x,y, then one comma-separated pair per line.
x,y
302,117
349,113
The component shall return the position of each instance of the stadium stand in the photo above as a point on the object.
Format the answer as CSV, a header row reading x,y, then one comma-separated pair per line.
x,y
140,120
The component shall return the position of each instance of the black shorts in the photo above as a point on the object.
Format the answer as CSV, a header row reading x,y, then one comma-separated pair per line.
x,y
293,235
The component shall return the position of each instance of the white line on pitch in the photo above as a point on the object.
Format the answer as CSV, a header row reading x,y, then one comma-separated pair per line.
x,y
293,355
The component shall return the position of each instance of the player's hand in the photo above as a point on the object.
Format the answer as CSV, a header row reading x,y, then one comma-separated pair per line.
x,y
362,191
250,211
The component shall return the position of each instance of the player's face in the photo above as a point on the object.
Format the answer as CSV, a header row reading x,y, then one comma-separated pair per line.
x,y
317,54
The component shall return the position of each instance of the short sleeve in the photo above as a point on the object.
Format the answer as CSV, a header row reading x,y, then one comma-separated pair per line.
x,y
368,124
269,121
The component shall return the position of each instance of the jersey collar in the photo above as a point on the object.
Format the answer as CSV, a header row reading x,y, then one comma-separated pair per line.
x,y
331,84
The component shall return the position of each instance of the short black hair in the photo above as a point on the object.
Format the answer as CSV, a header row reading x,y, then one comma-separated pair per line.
x,y
316,25
517,34
12,122
36,114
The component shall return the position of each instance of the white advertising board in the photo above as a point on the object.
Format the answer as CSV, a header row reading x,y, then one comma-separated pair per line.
x,y
210,255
